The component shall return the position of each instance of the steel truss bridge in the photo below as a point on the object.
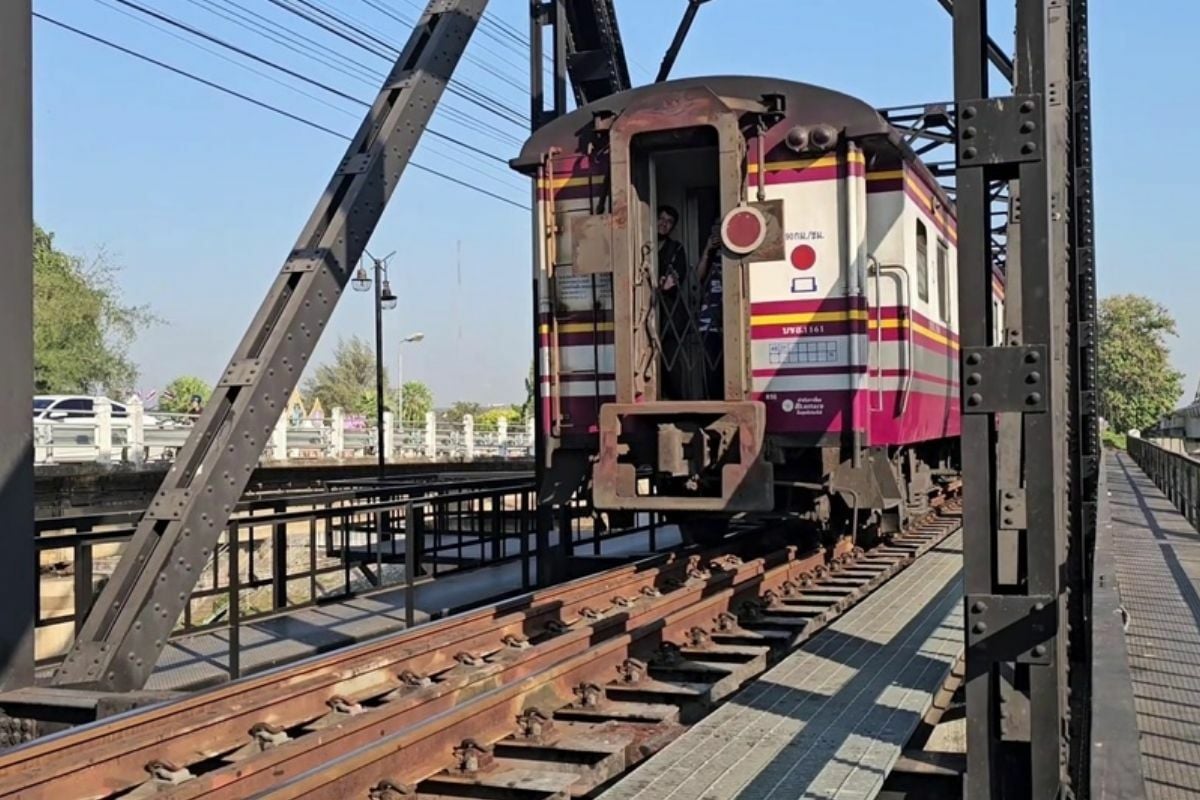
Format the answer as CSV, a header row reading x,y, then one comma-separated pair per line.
x,y
1017,156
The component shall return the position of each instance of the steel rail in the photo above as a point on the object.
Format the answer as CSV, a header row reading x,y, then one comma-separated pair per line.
x,y
393,764
113,755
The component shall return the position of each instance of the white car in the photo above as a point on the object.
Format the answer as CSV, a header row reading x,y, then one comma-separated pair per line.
x,y
79,408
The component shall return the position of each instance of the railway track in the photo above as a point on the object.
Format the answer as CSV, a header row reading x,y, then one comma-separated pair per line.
x,y
551,695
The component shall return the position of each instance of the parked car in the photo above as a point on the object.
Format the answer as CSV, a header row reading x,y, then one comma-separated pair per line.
x,y
79,408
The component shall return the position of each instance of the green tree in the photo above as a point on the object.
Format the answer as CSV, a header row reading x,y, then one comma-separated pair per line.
x,y
418,401
490,418
460,409
178,395
1137,383
81,329
348,381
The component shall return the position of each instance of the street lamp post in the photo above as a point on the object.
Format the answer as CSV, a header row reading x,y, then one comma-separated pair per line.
x,y
411,338
384,299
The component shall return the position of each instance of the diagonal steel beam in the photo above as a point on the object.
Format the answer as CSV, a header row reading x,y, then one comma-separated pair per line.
x,y
1000,60
120,641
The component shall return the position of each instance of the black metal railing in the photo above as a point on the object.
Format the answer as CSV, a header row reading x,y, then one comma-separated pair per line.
x,y
288,551
1176,474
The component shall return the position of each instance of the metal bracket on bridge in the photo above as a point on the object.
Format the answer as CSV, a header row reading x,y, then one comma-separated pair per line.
x,y
1005,379
1010,509
240,373
169,504
1011,627
311,260
999,131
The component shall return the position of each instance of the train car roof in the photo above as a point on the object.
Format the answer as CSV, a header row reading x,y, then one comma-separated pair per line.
x,y
806,104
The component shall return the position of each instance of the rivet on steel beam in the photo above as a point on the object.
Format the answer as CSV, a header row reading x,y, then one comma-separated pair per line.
x,y
979,627
1032,357
1033,377
1033,398
975,399
979,607
1039,650
968,112
974,378
969,132
970,153
1028,148
973,358
1027,107
1028,126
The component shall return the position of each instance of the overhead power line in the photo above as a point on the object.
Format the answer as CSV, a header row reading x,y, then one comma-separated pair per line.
x,y
260,104
292,73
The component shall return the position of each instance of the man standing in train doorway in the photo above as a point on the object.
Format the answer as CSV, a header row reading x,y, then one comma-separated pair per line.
x,y
673,312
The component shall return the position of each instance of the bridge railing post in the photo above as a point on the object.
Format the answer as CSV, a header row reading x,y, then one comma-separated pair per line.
x,y
502,437
337,434
102,409
389,436
468,437
430,436
135,444
279,444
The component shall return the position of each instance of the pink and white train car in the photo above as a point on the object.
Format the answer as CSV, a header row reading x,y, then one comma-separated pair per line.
x,y
817,379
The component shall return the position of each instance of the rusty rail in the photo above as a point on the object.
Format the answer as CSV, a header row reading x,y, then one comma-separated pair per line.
x,y
550,678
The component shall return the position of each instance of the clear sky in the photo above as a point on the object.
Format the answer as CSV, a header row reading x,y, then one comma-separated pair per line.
x,y
199,196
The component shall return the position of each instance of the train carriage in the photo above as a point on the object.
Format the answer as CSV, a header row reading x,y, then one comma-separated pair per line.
x,y
815,380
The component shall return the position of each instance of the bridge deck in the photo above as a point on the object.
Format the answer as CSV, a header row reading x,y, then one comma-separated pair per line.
x,y
829,720
1157,556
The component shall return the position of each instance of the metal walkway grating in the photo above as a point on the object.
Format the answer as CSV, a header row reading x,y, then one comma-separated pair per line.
x,y
829,720
1158,573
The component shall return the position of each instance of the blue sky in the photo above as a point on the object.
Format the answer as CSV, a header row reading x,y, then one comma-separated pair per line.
x,y
198,196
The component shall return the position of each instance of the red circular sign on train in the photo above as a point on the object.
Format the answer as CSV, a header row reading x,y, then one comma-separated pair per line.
x,y
743,230
803,257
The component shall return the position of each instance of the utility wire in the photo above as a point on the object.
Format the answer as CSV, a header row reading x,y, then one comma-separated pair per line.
x,y
292,73
470,94
223,57
302,44
260,104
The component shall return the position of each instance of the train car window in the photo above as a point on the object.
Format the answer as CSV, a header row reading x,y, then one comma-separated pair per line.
x,y
943,279
922,262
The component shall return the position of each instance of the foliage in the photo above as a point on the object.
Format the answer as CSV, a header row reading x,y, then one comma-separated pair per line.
x,y
530,394
81,329
460,409
177,397
1111,438
490,418
348,382
418,401
1137,383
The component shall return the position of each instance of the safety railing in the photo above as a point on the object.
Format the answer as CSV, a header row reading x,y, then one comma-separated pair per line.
x,y
139,437
1176,474
284,552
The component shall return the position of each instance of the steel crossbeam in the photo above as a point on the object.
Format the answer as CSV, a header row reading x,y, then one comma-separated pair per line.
x,y
119,643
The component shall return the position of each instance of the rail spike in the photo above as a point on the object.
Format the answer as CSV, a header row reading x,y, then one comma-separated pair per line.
x,y
470,756
389,790
534,725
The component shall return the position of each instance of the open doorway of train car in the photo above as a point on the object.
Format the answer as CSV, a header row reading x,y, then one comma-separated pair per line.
x,y
676,173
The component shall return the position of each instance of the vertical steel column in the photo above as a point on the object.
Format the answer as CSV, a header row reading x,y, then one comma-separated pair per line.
x,y
18,592
1016,617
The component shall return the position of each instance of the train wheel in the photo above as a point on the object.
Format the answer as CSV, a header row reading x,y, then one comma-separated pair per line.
x,y
706,532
